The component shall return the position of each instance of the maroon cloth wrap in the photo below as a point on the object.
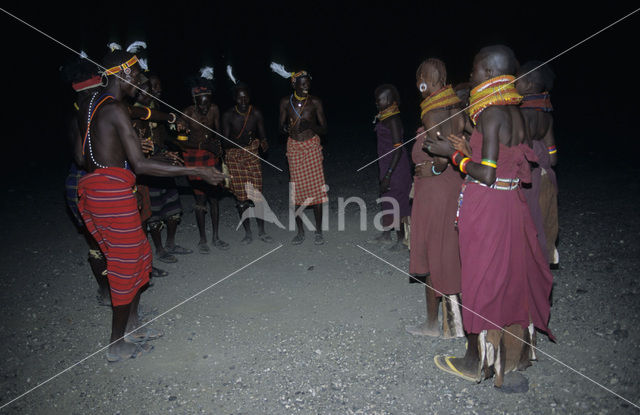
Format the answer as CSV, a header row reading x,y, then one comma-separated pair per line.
x,y
505,275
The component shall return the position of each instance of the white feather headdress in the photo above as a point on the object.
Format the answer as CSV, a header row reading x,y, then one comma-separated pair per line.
x,y
279,69
230,73
207,72
114,46
143,64
83,54
136,46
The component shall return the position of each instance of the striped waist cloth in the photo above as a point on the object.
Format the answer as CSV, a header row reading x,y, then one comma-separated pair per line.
x,y
499,184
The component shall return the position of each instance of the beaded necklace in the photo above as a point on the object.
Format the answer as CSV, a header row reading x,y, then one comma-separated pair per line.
x,y
299,114
388,112
87,136
298,97
246,119
540,102
495,91
444,97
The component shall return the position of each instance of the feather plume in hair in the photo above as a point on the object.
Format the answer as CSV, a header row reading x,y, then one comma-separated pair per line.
x,y
136,46
143,64
279,69
83,54
114,46
207,73
230,73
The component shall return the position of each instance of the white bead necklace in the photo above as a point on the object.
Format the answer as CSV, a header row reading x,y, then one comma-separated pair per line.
x,y
93,98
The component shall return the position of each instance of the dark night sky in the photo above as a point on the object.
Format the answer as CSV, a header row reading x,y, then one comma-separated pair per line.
x,y
348,48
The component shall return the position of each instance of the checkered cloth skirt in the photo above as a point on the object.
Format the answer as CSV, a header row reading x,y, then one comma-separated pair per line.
x,y
244,168
305,167
194,158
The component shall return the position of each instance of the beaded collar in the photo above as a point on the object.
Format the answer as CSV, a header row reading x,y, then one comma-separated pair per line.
x,y
495,91
442,98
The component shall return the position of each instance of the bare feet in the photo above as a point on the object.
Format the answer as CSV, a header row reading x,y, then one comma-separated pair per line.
x,y
319,239
220,244
203,248
383,238
265,238
298,239
398,246
424,329
122,350
248,238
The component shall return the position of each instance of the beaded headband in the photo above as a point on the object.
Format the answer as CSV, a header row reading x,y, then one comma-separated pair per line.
x,y
296,75
125,67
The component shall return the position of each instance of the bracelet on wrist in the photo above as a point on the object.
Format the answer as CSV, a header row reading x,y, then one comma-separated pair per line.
x,y
148,114
463,164
454,155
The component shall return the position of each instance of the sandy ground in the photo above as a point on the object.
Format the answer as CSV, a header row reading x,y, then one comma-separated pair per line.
x,y
312,330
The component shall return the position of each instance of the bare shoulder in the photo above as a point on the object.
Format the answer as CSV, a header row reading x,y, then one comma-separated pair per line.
x,y
284,101
114,108
434,117
189,110
257,112
315,100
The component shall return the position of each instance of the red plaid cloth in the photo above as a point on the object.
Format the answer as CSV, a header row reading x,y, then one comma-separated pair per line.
x,y
244,168
110,212
305,167
193,158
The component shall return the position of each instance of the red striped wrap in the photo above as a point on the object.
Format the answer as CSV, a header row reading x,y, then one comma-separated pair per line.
x,y
305,167
109,209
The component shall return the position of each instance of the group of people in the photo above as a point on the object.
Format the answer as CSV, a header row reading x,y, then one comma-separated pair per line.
x,y
127,150
483,221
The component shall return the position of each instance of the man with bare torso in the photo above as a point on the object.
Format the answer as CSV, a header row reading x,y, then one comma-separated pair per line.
x,y
107,202
203,148
159,205
244,126
302,119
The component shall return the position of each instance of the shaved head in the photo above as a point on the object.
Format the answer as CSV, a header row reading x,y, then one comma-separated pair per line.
x,y
499,59
391,90
540,79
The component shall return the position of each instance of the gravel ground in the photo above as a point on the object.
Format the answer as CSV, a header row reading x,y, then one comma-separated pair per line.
x,y
306,330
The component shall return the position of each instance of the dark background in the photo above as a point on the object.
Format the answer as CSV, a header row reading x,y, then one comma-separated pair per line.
x,y
349,50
